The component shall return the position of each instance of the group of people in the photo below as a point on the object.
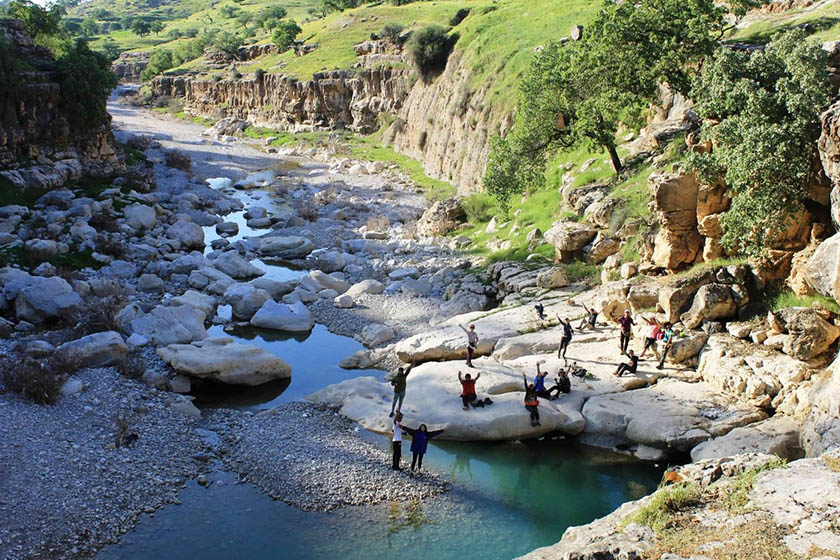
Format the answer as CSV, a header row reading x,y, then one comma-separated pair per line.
x,y
659,332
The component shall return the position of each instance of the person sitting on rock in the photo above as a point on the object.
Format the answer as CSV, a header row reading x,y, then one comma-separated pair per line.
x,y
629,368
539,385
563,381
626,322
540,311
467,388
398,382
472,343
589,320
668,339
419,441
532,403
568,331
396,441
652,338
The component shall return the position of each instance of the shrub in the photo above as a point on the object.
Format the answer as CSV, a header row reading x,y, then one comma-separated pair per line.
x,y
39,382
459,16
429,49
125,436
478,208
662,507
307,210
392,32
227,43
178,160
99,313
159,62
259,74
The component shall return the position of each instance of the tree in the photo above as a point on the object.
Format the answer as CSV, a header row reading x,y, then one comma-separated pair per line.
x,y
581,91
285,33
86,81
89,27
244,19
159,62
392,31
37,21
227,43
140,27
429,49
111,49
766,105
228,11
156,27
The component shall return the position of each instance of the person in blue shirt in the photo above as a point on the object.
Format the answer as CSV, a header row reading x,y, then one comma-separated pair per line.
x,y
539,386
419,442
668,339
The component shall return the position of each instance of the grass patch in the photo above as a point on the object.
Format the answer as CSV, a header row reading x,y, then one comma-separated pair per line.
x,y
786,298
74,259
577,271
711,265
735,493
660,511
755,539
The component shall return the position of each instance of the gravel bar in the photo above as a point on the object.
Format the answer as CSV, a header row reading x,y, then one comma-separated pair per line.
x,y
309,456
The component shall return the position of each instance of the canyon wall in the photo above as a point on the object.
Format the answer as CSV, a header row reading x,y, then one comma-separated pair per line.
x,y
442,124
38,146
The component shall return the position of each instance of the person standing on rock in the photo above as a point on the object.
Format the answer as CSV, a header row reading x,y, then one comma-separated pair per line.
x,y
590,319
629,368
396,441
398,382
467,389
568,331
668,339
532,403
472,343
626,322
652,338
419,441
540,309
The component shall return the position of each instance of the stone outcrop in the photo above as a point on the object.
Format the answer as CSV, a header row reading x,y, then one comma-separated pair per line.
x,y
225,361
440,218
129,66
569,239
38,145
95,350
677,243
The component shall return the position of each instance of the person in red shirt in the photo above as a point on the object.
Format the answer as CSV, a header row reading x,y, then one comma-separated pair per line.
x,y
467,388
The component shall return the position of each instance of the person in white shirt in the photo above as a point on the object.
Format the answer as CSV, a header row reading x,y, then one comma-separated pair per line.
x,y
396,441
472,343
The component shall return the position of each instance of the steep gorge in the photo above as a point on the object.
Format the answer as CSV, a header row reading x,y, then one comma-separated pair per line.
x,y
441,123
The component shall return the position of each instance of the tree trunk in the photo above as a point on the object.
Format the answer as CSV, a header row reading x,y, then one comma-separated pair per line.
x,y
616,161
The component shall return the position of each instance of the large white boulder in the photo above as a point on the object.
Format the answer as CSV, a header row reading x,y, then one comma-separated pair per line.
x,y
210,280
285,247
330,282
376,335
432,397
368,286
164,325
206,303
283,317
225,361
245,300
95,350
44,299
670,417
776,436
235,266
140,216
711,303
189,235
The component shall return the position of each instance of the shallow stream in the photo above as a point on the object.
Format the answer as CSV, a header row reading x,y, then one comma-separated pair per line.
x,y
507,498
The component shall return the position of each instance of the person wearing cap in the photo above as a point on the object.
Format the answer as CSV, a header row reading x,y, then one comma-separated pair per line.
x,y
472,343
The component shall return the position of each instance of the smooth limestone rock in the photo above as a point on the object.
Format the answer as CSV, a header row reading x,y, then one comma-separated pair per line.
x,y
163,325
441,217
225,361
245,300
433,398
285,247
330,282
821,429
140,217
236,267
711,303
189,235
206,303
94,350
778,435
43,299
283,317
670,417
343,301
376,335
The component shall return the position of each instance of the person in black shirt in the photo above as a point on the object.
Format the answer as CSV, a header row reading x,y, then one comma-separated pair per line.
x,y
568,331
626,322
629,368
590,319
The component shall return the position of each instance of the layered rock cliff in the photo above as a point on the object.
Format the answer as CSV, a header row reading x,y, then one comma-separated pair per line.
x,y
38,145
444,124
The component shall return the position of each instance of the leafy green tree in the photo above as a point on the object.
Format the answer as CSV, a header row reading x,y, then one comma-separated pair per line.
x,y
140,27
159,62
90,27
228,11
244,19
38,21
86,81
581,91
101,14
227,42
156,27
285,33
766,105
392,31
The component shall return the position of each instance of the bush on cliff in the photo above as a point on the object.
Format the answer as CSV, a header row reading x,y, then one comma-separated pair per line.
x,y
767,105
86,82
430,48
285,33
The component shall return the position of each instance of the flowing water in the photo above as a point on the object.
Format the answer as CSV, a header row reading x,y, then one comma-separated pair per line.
x,y
507,498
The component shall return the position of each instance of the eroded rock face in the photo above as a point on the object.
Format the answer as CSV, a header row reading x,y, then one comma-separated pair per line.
x,y
775,436
712,302
829,149
822,273
809,333
225,361
677,243
568,238
441,217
